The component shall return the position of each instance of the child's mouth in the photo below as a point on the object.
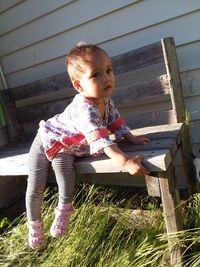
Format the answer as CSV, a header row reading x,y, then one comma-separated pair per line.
x,y
107,88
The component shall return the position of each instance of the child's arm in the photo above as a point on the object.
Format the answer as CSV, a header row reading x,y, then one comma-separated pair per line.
x,y
133,165
136,139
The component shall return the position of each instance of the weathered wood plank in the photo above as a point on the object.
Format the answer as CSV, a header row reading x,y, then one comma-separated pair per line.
x,y
172,213
14,127
161,136
188,162
155,144
148,72
150,118
47,97
170,57
143,92
31,119
140,58
153,186
136,93
145,56
13,160
49,84
154,160
160,131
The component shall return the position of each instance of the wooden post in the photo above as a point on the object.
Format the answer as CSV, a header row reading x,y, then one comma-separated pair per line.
x,y
176,93
187,161
170,59
172,213
14,128
153,187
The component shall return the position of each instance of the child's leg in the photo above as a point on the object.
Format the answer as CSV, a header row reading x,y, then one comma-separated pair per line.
x,y
38,170
65,176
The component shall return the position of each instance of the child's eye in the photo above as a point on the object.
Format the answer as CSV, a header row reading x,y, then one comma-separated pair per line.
x,y
94,75
109,70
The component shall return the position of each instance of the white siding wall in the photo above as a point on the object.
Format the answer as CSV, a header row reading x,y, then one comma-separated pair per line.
x,y
35,36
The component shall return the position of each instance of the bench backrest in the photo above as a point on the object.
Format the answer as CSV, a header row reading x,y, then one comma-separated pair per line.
x,y
148,92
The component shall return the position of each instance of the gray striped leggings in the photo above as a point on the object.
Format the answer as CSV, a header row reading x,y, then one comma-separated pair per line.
x,y
38,172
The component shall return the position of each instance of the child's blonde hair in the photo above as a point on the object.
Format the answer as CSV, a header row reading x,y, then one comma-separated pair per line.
x,y
77,57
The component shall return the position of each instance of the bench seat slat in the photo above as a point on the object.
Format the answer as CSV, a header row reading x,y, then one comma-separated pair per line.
x,y
154,160
157,153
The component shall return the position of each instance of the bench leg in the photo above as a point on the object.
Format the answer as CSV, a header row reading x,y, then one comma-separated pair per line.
x,y
187,159
172,213
189,173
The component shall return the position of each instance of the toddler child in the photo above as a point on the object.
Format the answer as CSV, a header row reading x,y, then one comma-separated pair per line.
x,y
82,129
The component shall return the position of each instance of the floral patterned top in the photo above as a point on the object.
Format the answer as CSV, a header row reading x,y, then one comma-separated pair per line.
x,y
80,130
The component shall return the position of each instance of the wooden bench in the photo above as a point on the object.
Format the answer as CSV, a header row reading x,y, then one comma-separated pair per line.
x,y
149,97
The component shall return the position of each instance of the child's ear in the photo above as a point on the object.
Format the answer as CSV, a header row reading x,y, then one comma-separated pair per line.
x,y
77,86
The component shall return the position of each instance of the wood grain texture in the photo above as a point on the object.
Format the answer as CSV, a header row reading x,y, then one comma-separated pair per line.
x,y
170,57
133,93
13,160
154,160
140,58
172,213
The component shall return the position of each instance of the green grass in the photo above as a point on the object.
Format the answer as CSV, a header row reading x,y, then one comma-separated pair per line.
x,y
104,232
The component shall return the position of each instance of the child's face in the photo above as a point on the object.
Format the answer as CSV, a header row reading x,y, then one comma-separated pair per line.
x,y
97,80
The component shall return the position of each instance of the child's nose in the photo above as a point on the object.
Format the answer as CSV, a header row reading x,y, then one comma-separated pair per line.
x,y
105,77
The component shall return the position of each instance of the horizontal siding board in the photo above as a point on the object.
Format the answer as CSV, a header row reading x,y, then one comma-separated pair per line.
x,y
60,44
141,58
191,82
194,127
7,4
193,107
66,18
188,56
36,72
156,32
26,12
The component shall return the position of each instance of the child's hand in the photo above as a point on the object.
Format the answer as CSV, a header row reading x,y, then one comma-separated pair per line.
x,y
134,166
140,140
